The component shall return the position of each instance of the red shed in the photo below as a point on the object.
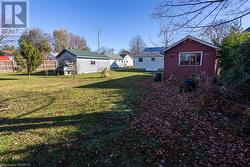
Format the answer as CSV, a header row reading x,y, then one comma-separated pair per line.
x,y
188,57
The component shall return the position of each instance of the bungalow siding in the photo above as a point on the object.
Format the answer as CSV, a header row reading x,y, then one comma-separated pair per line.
x,y
149,65
85,66
128,61
172,67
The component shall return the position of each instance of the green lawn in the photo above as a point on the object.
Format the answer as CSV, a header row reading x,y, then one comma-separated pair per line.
x,y
65,120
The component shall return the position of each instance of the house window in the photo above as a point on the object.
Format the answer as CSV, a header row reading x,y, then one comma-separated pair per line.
x,y
152,59
92,62
140,59
190,58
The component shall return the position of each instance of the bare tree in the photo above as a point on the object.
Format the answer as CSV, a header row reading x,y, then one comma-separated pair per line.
x,y
217,34
50,40
2,38
106,50
65,40
5,38
77,42
9,47
61,40
166,36
136,45
198,14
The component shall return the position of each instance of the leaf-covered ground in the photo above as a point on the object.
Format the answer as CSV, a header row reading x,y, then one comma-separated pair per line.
x,y
68,120
189,134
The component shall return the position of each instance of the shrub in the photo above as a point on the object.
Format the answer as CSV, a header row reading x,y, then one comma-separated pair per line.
x,y
28,56
105,73
235,60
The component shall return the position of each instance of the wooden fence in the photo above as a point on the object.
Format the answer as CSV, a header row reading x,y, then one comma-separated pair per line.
x,y
48,65
7,66
10,66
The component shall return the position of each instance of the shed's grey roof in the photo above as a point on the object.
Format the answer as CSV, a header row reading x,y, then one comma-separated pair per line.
x,y
113,56
84,54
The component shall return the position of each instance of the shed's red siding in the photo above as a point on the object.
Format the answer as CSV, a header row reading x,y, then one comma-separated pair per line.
x,y
171,60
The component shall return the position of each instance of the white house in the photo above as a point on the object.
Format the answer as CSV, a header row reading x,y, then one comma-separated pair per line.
x,y
128,61
116,61
83,61
150,59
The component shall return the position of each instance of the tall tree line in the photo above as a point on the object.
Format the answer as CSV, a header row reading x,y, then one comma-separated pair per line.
x,y
46,43
63,39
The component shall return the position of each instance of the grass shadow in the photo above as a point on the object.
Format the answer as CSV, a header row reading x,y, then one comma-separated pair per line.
x,y
96,131
50,102
8,79
121,83
92,143
39,73
128,70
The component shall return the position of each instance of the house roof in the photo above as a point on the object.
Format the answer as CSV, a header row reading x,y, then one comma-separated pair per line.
x,y
53,54
149,54
192,38
124,55
113,56
5,58
84,54
153,49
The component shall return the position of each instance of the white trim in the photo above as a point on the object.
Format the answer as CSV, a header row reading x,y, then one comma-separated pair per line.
x,y
179,62
130,56
192,38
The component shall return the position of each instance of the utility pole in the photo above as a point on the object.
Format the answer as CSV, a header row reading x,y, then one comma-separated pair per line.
x,y
98,40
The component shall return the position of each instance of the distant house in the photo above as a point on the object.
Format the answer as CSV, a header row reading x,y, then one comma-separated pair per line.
x,y
150,59
6,55
83,61
128,61
116,61
190,56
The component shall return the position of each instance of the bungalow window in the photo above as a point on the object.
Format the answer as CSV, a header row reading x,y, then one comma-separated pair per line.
x,y
190,58
92,62
152,59
140,59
